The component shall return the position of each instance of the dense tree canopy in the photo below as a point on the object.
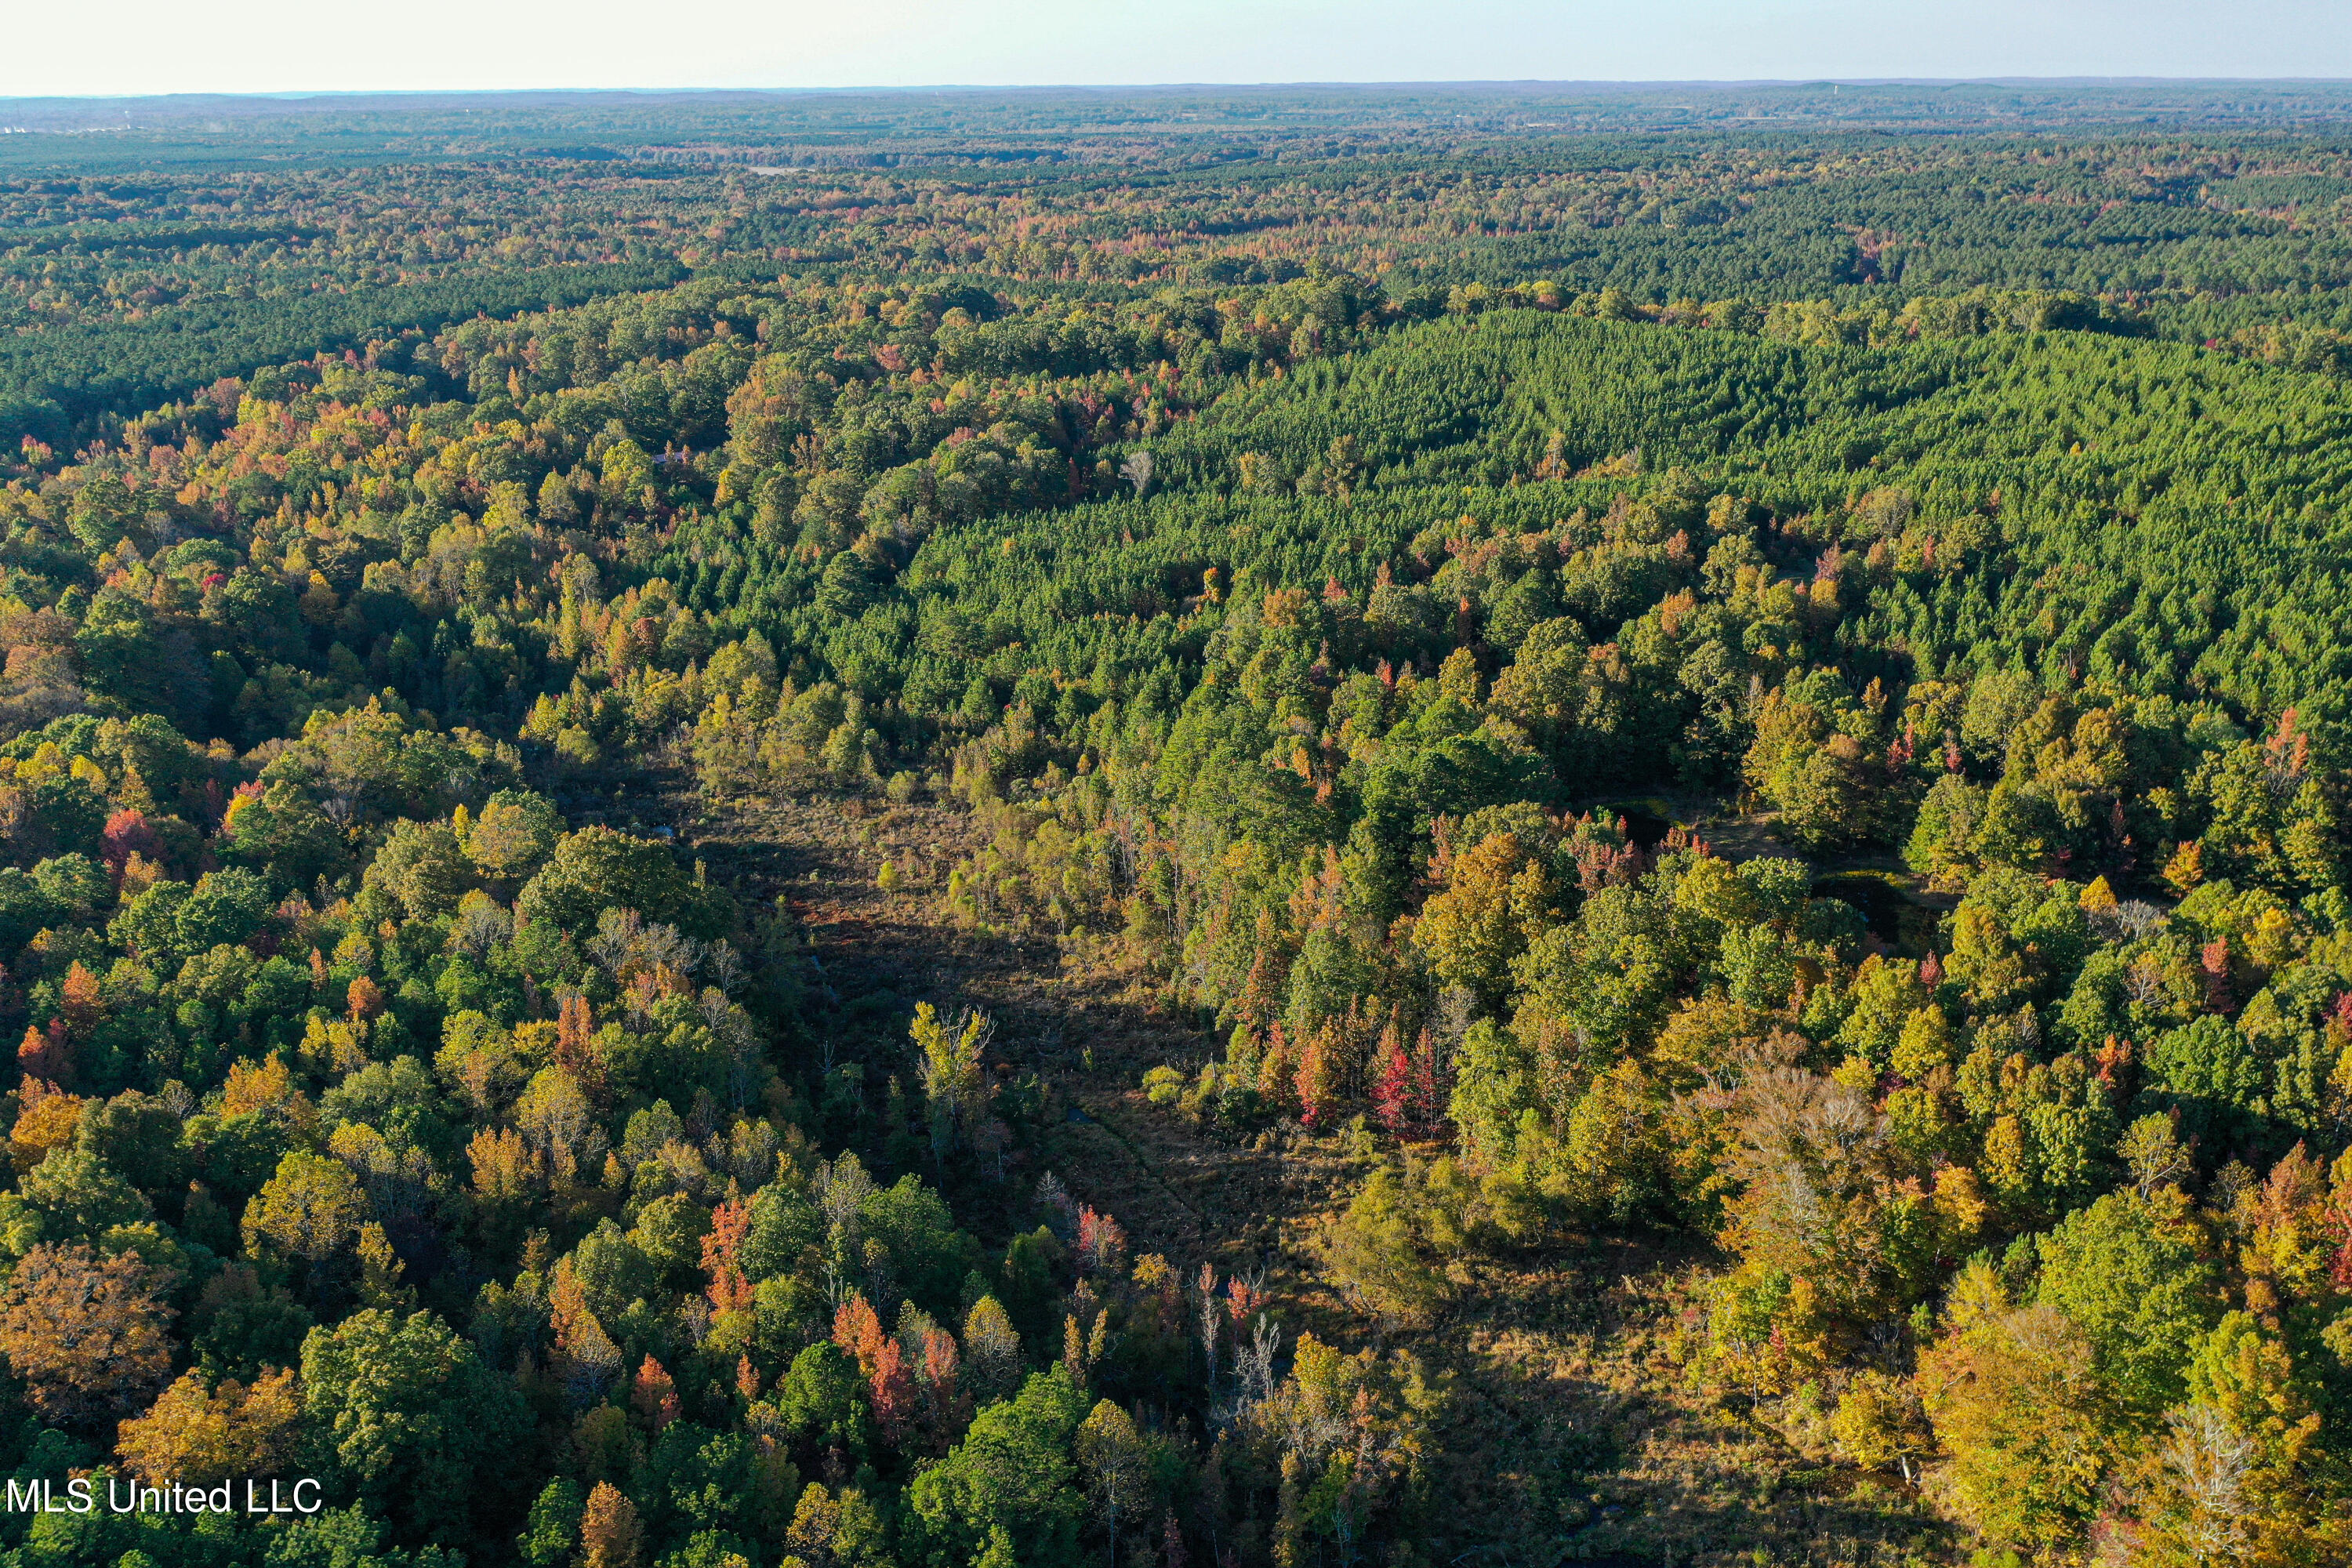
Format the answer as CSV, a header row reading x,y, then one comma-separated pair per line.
x,y
1779,698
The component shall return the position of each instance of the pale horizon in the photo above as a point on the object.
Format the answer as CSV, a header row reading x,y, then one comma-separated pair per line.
x,y
280,48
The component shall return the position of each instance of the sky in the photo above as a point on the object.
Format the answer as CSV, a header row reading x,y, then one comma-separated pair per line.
x,y
138,46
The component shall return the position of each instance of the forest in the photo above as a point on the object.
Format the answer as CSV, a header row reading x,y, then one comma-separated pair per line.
x,y
1271,829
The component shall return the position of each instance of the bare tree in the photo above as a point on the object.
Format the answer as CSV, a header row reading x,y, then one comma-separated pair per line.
x,y
2207,1464
1137,471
